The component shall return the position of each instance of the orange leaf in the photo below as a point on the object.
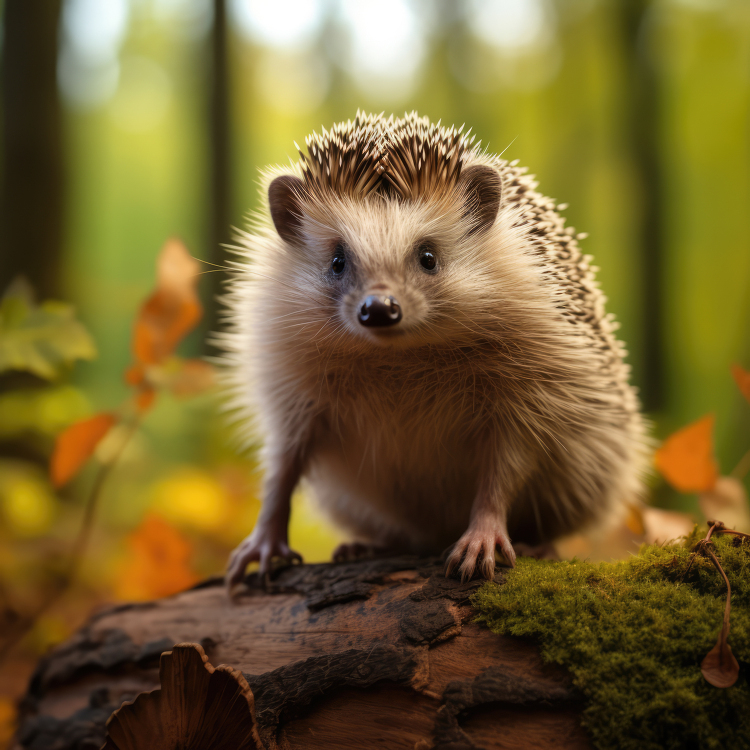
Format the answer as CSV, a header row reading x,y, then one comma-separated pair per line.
x,y
173,310
75,445
144,399
193,377
742,378
686,458
135,375
158,562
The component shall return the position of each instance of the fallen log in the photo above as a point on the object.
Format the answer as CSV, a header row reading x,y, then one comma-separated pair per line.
x,y
376,653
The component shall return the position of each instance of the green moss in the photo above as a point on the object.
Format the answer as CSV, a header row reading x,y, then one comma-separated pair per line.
x,y
633,634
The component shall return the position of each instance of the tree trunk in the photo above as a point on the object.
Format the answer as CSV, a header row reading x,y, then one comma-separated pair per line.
x,y
31,196
220,199
378,653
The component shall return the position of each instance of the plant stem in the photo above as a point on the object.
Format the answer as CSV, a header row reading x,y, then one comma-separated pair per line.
x,y
77,551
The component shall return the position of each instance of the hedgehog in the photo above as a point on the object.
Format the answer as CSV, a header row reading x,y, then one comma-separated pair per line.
x,y
413,331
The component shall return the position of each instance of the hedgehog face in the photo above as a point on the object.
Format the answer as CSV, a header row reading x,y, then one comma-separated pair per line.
x,y
389,268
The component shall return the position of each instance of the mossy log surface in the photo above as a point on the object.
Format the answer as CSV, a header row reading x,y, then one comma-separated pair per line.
x,y
378,653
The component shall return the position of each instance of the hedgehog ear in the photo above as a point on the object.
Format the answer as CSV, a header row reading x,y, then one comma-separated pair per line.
x,y
285,196
482,190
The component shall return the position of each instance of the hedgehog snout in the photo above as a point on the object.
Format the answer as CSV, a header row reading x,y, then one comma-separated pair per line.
x,y
379,310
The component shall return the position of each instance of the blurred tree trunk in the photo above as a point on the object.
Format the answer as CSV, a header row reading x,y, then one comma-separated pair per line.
x,y
641,105
31,196
220,200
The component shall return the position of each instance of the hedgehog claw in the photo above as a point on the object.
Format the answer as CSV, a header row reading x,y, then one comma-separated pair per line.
x,y
474,553
261,546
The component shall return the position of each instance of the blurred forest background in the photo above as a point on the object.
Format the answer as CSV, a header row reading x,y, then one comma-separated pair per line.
x,y
125,122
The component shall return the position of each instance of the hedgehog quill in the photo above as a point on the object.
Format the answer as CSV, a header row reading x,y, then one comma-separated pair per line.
x,y
415,333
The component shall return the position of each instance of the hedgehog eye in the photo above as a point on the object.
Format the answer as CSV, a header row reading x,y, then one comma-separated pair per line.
x,y
338,264
427,258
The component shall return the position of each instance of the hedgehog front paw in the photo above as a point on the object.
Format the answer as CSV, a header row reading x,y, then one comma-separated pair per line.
x,y
263,545
475,552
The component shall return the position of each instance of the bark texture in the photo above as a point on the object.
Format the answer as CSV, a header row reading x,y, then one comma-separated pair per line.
x,y
378,653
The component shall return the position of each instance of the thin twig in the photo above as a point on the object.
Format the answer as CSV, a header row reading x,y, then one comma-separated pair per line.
x,y
78,549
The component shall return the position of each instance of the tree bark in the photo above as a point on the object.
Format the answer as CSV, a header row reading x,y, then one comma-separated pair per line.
x,y
31,212
377,653
220,199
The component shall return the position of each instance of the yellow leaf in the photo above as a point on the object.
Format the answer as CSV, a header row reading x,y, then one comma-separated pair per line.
x,y
191,497
28,506
686,458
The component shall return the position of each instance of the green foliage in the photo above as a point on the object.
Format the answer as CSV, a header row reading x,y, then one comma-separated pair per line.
x,y
43,411
633,634
41,339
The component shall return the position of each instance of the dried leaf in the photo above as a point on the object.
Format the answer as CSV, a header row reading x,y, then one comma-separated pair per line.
x,y
193,377
158,562
686,458
661,526
172,310
41,339
75,445
742,378
727,501
719,667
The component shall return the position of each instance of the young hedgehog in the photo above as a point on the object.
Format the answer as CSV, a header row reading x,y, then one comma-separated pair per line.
x,y
420,338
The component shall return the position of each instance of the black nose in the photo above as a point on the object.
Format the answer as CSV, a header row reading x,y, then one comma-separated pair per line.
x,y
379,310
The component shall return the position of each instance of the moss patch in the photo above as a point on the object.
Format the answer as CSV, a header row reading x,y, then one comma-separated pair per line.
x,y
633,634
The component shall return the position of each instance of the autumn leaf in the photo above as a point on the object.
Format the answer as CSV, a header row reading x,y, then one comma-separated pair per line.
x,y
42,339
144,399
192,377
158,562
727,500
172,311
719,667
742,378
686,458
661,526
75,445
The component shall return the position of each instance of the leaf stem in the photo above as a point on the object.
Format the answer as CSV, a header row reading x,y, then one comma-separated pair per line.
x,y
78,549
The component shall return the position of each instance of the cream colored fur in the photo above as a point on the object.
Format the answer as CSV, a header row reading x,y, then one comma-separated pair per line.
x,y
504,358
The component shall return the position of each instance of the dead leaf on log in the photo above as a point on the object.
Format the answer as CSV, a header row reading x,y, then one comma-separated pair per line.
x,y
198,707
